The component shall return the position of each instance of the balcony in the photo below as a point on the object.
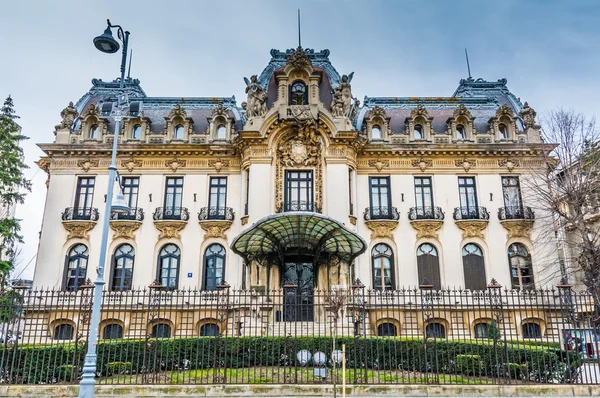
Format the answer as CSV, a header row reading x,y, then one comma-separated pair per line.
x,y
517,220
472,221
382,221
427,221
215,221
125,224
79,221
298,205
170,221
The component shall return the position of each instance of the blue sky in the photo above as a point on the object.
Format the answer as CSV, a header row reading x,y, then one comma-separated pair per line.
x,y
548,50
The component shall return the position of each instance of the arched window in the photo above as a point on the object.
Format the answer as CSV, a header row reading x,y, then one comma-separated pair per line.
x,y
161,331
76,267
532,330
481,330
383,275
64,331
387,329
178,132
209,329
214,266
419,134
112,331
221,132
474,267
503,131
428,265
435,330
168,266
299,95
93,132
136,133
521,274
122,270
461,133
376,132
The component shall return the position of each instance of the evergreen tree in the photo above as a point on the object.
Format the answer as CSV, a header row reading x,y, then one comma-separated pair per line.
x,y
13,185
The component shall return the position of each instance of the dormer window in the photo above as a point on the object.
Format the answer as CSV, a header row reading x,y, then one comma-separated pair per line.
x,y
299,95
419,135
136,133
178,132
376,132
503,131
93,132
221,132
461,133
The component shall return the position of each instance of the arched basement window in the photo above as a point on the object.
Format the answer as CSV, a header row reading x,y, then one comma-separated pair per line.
x,y
113,331
64,331
209,329
387,329
435,330
161,331
532,330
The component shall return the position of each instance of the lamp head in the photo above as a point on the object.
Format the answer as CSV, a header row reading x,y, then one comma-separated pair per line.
x,y
106,42
119,205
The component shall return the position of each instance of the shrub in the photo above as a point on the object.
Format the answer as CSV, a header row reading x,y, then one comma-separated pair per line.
x,y
115,368
514,371
66,373
469,365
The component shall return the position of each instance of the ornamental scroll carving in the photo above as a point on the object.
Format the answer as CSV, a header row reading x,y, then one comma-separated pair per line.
x,y
124,229
131,163
218,164
517,228
472,228
68,115
510,164
79,229
88,163
382,228
169,229
465,163
422,163
175,163
427,228
379,163
215,229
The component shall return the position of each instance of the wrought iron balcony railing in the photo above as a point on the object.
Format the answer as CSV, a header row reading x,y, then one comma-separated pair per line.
x,y
515,213
471,213
134,214
171,213
426,213
299,205
216,213
80,214
381,213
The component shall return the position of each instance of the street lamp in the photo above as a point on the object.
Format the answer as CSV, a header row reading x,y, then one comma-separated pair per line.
x,y
107,44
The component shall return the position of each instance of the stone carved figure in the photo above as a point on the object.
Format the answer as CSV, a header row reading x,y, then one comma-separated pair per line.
x,y
337,104
68,115
256,106
346,92
528,115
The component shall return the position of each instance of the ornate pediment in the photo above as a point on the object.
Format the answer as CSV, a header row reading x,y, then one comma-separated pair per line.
x,y
462,110
91,111
420,111
299,59
304,149
177,111
505,110
219,110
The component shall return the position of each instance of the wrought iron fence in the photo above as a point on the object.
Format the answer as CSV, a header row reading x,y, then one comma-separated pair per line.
x,y
134,214
381,213
230,336
471,213
515,213
80,213
216,213
171,213
426,213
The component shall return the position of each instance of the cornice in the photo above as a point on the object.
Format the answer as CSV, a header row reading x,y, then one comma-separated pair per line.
x,y
58,150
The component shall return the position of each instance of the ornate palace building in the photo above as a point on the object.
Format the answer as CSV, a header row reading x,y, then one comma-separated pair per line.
x,y
301,187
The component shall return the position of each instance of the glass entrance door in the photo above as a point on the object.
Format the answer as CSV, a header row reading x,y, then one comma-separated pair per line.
x,y
298,285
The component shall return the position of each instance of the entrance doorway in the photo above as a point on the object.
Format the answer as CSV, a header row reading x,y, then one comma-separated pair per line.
x,y
298,285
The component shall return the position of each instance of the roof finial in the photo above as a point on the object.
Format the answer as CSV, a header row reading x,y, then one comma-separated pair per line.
x,y
468,66
299,40
130,59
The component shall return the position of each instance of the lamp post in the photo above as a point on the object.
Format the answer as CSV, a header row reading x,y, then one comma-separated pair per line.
x,y
107,44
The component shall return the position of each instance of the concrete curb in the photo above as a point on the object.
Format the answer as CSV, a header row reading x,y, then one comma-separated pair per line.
x,y
279,390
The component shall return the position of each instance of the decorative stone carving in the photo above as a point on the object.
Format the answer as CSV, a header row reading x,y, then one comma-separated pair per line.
x,y
422,163
87,164
178,116
299,59
427,228
256,105
461,115
131,163
215,229
124,229
419,115
346,91
528,115
379,163
517,228
337,103
89,118
79,229
377,116
68,115
382,228
465,163
175,163
299,112
169,229
472,228
219,110
244,220
504,115
218,164
304,149
510,164
352,220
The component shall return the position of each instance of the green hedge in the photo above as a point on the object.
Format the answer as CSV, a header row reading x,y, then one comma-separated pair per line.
x,y
49,364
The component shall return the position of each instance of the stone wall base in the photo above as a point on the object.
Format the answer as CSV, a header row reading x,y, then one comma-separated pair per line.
x,y
278,390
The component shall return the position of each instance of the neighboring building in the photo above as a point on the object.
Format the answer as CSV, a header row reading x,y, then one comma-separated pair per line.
x,y
301,187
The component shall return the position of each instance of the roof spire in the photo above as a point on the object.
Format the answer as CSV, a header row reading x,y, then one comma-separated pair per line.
x,y
130,59
299,39
468,66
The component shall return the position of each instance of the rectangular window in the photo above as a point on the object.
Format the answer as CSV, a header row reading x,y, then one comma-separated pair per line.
x,y
173,198
424,197
468,197
131,188
380,197
247,192
350,175
511,191
84,198
298,194
217,199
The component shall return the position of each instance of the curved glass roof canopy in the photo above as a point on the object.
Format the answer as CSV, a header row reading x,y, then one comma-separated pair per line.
x,y
298,233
